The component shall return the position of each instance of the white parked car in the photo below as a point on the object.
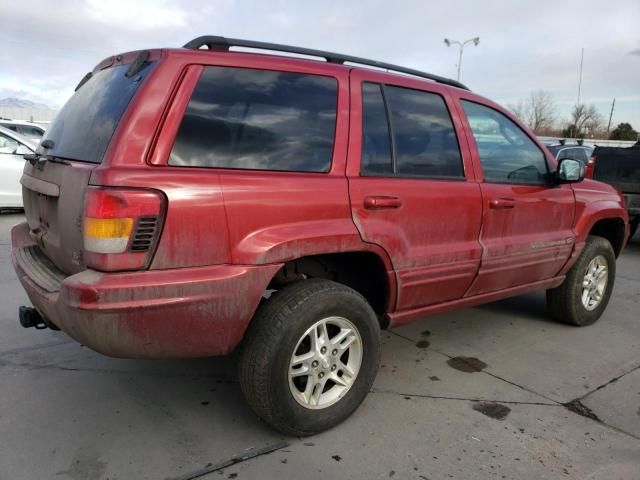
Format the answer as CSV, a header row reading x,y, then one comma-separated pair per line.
x,y
12,147
29,130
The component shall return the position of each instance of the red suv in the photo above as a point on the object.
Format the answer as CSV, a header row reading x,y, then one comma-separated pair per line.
x,y
191,202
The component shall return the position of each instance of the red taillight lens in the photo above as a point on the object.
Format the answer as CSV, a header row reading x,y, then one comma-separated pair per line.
x,y
120,227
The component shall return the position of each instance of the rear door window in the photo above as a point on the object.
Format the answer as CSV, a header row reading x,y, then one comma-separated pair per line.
x,y
258,120
83,128
407,133
376,141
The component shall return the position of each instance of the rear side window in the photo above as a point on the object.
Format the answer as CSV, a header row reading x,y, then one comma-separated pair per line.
x,y
83,128
423,140
258,120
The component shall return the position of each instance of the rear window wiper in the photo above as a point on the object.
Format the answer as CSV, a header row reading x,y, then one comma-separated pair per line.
x,y
35,158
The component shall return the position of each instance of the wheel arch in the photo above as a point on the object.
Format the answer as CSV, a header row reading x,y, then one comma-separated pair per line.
x,y
363,270
613,230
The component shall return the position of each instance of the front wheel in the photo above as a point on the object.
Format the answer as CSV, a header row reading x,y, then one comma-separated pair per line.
x,y
585,292
310,356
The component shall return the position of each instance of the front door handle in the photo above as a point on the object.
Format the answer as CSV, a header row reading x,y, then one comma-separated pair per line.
x,y
378,202
502,203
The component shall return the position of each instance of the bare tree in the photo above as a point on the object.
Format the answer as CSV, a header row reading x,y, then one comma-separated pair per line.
x,y
537,111
586,118
519,111
541,109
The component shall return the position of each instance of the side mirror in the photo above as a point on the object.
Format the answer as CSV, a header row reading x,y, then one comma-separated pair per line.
x,y
23,150
570,171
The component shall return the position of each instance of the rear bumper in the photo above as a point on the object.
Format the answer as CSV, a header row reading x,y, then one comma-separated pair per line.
x,y
177,313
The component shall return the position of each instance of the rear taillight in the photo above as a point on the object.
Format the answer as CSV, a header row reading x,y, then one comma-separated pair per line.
x,y
121,227
591,165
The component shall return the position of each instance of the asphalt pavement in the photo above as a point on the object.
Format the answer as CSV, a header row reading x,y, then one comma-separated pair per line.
x,y
499,391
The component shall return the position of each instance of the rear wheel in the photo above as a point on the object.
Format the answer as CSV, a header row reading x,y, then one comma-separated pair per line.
x,y
310,356
585,292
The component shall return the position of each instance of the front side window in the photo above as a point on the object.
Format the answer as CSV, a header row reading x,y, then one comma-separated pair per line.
x,y
507,154
422,142
243,118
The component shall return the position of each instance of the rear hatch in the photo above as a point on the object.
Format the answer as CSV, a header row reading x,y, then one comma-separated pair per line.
x,y
54,190
619,167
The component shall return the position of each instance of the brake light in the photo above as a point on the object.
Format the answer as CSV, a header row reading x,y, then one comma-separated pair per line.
x,y
120,227
591,165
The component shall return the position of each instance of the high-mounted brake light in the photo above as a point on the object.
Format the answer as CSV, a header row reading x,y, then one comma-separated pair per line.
x,y
120,227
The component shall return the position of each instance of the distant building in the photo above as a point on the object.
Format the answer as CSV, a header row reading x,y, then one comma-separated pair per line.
x,y
26,110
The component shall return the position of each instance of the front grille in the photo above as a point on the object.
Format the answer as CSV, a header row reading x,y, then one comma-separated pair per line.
x,y
144,234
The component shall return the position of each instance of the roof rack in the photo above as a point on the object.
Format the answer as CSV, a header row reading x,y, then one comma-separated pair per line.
x,y
213,42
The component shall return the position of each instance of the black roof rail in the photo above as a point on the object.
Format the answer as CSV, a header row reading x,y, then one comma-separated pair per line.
x,y
213,42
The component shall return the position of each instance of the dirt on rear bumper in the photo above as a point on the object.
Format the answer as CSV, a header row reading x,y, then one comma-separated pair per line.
x,y
178,313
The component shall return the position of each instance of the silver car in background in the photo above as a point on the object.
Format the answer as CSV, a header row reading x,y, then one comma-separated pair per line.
x,y
29,130
12,147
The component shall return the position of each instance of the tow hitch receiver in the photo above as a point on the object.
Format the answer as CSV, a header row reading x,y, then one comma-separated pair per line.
x,y
29,317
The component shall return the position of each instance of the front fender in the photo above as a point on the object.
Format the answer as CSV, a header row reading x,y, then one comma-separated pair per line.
x,y
595,201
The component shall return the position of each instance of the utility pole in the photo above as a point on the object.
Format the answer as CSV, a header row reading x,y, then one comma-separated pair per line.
x,y
448,43
611,115
580,79
574,133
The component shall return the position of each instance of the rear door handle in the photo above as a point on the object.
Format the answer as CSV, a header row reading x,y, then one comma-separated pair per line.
x,y
378,202
502,203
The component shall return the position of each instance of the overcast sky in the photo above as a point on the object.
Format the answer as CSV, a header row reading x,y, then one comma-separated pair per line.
x,y
47,46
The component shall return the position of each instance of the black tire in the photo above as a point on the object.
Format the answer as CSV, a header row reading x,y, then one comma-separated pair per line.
x,y
565,302
273,335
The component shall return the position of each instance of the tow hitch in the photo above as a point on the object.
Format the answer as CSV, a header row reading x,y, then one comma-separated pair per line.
x,y
30,317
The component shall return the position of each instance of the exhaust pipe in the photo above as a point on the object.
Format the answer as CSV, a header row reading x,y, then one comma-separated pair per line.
x,y
30,317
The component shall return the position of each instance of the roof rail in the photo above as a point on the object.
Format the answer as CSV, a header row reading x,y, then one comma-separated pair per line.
x,y
223,44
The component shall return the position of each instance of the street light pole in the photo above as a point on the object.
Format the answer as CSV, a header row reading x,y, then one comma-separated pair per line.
x,y
448,43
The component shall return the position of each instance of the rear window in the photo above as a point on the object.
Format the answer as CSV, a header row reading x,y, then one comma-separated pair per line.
x,y
259,120
83,128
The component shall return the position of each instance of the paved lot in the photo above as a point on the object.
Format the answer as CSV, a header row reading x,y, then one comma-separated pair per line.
x,y
69,413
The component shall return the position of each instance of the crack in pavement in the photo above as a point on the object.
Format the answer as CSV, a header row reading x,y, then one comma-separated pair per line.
x,y
443,397
497,377
613,380
568,405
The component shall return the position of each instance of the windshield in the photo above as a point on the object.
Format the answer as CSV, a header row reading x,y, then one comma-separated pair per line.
x,y
83,128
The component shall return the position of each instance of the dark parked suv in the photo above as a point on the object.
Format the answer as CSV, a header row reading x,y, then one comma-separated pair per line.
x,y
195,201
